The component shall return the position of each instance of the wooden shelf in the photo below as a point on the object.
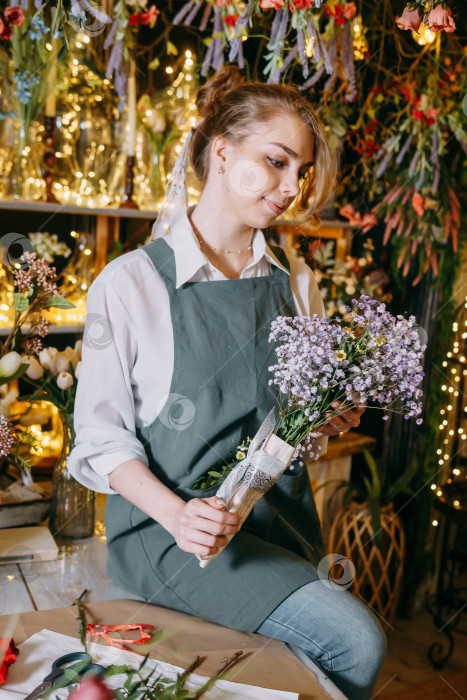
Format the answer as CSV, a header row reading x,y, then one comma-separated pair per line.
x,y
49,207
54,328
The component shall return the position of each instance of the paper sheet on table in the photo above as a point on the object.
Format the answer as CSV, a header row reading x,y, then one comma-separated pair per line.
x,y
37,653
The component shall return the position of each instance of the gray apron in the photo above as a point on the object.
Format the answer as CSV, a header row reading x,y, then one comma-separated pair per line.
x,y
219,395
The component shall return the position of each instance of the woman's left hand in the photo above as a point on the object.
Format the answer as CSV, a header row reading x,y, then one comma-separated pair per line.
x,y
343,421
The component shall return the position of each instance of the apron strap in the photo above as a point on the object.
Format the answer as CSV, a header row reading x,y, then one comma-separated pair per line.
x,y
162,257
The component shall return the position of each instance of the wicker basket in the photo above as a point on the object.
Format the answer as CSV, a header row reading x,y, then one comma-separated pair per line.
x,y
378,578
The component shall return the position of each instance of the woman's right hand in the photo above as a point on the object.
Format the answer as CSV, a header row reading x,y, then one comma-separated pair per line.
x,y
201,527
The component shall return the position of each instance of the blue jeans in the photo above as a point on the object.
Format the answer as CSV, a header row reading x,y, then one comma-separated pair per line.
x,y
334,629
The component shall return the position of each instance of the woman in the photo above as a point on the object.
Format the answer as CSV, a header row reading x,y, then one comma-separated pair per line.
x,y
179,376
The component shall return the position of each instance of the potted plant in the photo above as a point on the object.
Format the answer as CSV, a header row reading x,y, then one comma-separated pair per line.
x,y
368,531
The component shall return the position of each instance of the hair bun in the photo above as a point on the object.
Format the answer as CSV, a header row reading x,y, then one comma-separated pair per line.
x,y
209,96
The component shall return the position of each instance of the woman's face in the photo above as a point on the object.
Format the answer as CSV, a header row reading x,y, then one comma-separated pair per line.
x,y
263,174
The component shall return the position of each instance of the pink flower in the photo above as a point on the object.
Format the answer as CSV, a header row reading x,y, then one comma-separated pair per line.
x,y
350,10
14,16
368,221
223,3
92,689
440,18
431,115
417,203
349,213
275,4
150,17
410,19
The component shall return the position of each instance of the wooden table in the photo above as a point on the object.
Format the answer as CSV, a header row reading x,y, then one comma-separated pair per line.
x,y
265,662
38,595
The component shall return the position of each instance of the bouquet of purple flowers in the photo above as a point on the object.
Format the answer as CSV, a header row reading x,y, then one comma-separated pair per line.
x,y
373,357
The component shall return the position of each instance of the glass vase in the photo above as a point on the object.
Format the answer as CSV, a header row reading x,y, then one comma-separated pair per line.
x,y
72,506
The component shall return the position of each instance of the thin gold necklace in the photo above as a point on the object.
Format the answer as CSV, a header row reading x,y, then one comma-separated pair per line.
x,y
218,250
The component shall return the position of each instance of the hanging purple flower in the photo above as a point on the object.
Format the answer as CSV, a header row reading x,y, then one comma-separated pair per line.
x,y
283,27
191,15
413,163
384,164
420,180
314,42
384,147
115,59
218,58
181,13
205,17
404,149
207,60
435,185
111,34
302,52
332,57
311,81
274,28
434,147
349,64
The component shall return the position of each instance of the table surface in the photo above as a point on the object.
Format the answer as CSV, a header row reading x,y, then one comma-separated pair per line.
x,y
264,662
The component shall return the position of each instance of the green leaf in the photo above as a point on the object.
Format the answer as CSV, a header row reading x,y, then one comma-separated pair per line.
x,y
171,49
20,302
155,63
22,369
218,474
59,303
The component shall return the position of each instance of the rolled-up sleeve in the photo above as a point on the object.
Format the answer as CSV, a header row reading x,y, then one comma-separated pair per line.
x,y
104,413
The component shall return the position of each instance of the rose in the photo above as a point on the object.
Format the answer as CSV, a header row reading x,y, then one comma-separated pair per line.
x,y
9,364
440,18
410,19
35,369
368,221
350,10
5,32
231,20
134,19
337,12
274,4
92,689
64,380
14,16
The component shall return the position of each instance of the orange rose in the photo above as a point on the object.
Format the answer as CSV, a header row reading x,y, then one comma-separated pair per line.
x,y
410,19
439,19
350,10
14,16
417,203
275,4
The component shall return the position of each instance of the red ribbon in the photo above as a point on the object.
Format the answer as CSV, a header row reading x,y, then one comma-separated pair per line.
x,y
103,632
9,657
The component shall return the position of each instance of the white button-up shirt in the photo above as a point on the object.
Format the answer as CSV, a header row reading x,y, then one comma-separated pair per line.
x,y
128,347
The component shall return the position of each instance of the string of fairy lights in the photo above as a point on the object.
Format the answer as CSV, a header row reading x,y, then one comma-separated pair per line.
x,y
452,452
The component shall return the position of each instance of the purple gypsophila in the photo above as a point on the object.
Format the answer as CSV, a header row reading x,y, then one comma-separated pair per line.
x,y
375,358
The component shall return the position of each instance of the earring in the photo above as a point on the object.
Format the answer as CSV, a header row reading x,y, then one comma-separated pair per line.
x,y
220,170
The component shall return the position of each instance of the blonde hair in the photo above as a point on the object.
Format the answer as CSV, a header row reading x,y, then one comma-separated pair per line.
x,y
231,106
